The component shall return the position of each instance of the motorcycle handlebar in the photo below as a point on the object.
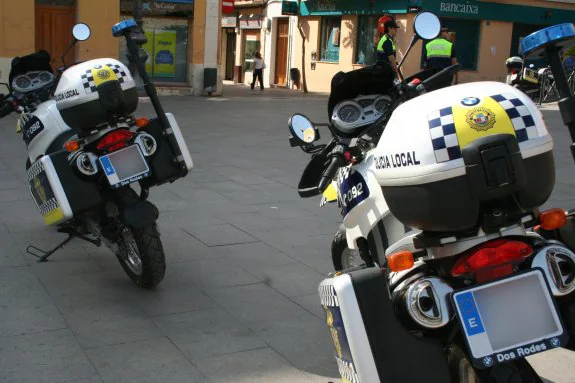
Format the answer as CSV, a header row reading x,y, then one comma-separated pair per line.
x,y
449,71
329,173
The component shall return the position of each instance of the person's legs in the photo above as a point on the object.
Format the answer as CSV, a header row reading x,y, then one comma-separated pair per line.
x,y
261,78
255,73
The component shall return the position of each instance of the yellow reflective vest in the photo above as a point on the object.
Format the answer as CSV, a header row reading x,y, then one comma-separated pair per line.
x,y
383,40
439,48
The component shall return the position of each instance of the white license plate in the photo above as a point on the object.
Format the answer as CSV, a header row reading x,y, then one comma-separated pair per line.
x,y
125,166
509,319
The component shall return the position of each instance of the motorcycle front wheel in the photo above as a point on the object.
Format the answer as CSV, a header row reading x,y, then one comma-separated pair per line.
x,y
342,256
141,255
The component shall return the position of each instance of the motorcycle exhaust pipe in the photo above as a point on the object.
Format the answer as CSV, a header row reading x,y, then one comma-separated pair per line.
x,y
426,302
147,143
86,163
558,265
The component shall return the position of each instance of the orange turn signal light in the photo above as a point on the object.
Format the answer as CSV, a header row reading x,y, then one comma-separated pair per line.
x,y
400,261
72,146
553,219
142,121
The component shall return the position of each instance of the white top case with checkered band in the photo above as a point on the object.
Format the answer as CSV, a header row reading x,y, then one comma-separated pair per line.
x,y
77,85
420,145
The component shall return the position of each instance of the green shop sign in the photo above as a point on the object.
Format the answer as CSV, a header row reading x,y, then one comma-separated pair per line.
x,y
497,12
352,7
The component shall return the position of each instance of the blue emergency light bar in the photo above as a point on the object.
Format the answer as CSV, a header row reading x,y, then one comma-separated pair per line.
x,y
550,35
122,26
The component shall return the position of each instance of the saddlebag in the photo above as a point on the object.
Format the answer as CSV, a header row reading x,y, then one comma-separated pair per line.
x,y
371,344
163,164
57,190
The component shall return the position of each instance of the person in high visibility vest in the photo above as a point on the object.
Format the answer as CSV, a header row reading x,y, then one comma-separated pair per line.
x,y
386,50
440,53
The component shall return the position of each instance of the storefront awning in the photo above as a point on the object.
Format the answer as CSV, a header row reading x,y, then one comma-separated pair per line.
x,y
352,7
483,10
178,8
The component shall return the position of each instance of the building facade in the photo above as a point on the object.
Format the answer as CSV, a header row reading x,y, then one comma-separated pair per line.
x,y
341,35
183,36
259,26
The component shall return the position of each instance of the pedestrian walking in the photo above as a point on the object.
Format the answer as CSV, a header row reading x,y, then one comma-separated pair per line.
x,y
440,53
259,66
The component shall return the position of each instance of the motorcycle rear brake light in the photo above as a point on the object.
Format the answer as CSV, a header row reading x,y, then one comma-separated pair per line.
x,y
485,260
115,140
415,82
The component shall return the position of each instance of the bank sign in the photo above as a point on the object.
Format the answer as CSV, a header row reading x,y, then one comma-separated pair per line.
x,y
482,10
467,9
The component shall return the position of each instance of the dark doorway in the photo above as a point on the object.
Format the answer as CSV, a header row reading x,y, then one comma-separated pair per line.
x,y
230,54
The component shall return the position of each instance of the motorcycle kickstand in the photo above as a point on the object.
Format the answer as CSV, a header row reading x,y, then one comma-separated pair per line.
x,y
44,255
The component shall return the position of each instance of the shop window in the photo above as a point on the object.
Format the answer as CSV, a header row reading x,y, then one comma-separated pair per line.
x,y
366,40
330,38
465,35
167,49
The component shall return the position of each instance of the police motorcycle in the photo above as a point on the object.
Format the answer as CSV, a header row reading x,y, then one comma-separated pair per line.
x,y
485,278
86,150
524,78
357,99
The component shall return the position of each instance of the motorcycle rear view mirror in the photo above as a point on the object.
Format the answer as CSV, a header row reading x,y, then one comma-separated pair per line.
x,y
303,130
81,32
427,25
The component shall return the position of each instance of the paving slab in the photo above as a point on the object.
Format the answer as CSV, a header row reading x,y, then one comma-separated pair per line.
x,y
148,361
48,357
208,333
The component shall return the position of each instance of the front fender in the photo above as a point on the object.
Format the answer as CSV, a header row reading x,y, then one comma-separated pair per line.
x,y
134,211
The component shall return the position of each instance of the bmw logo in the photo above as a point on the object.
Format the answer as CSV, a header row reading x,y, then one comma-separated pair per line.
x,y
470,101
555,342
488,361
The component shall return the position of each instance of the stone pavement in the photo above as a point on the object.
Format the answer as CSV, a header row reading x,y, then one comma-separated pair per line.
x,y
244,252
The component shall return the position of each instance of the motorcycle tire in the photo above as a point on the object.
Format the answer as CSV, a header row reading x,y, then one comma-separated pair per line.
x,y
151,254
462,371
341,255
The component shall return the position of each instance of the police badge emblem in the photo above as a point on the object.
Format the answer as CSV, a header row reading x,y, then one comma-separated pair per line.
x,y
480,119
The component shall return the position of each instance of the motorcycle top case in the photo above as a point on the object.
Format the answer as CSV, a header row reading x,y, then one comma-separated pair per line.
x,y
57,191
371,344
89,92
447,154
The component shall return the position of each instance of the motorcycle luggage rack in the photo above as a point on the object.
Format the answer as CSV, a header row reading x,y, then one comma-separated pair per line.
x,y
43,255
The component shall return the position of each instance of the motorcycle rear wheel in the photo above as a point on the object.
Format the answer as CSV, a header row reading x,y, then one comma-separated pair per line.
x,y
150,252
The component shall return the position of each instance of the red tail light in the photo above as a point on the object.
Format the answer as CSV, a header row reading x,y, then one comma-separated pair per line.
x,y
514,71
115,140
492,260
415,82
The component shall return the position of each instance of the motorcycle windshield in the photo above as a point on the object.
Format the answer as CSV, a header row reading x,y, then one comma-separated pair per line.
x,y
38,61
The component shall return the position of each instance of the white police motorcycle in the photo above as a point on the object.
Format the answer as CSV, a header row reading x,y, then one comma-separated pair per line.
x,y
485,278
86,149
